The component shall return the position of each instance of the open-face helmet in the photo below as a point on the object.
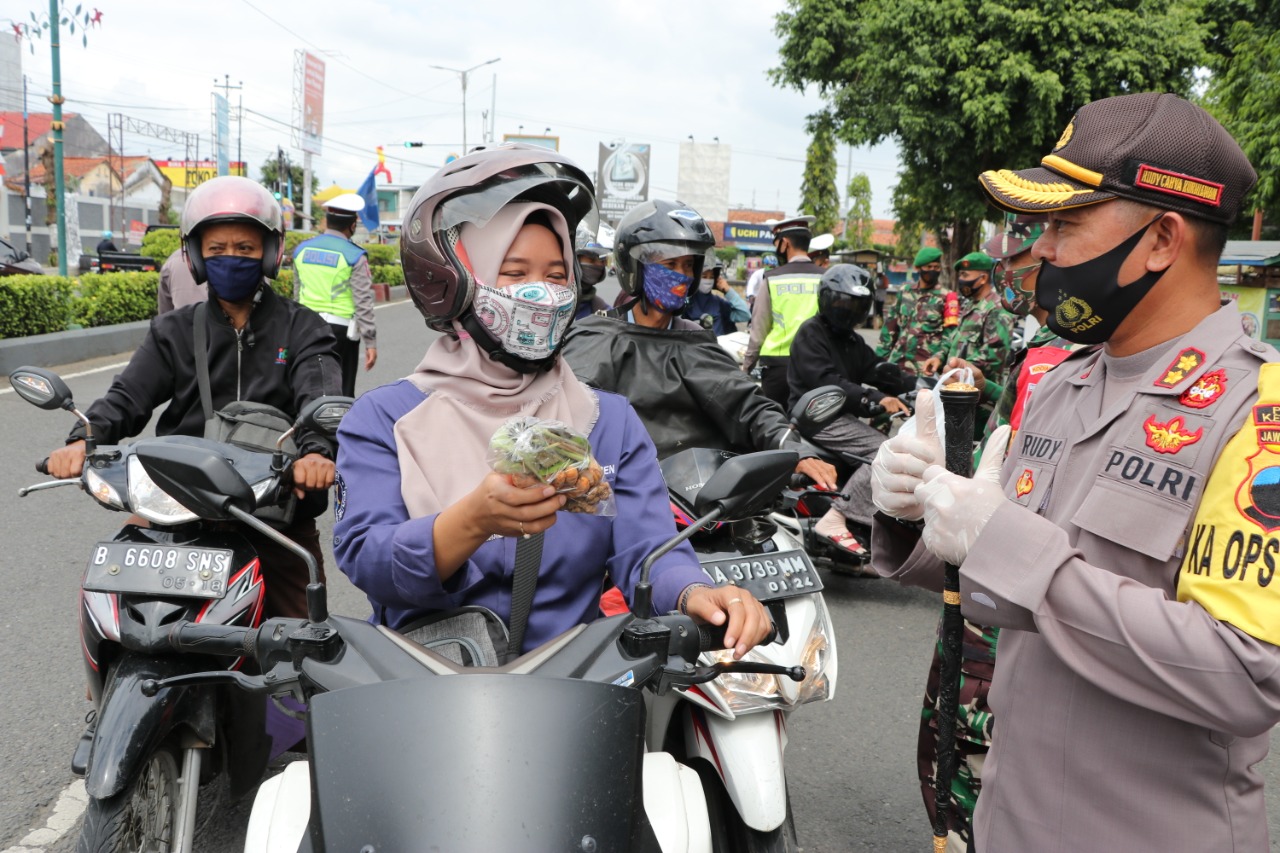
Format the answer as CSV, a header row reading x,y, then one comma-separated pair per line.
x,y
472,189
656,231
231,198
845,296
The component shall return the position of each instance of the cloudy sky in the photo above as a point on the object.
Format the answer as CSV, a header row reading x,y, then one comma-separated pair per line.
x,y
656,71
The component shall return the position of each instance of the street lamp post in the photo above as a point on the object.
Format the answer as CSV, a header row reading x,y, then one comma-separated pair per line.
x,y
462,74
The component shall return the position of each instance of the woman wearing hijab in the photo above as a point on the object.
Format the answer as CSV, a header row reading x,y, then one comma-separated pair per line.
x,y
423,524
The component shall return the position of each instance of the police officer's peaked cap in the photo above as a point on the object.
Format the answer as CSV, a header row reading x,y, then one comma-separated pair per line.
x,y
1151,147
348,204
794,225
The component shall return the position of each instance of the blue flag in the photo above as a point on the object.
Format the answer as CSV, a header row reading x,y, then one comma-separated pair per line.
x,y
369,192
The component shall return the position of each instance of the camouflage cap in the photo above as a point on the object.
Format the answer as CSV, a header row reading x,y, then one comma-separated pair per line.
x,y
1152,147
1021,230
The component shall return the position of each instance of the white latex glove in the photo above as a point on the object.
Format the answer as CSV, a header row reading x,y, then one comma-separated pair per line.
x,y
957,508
901,462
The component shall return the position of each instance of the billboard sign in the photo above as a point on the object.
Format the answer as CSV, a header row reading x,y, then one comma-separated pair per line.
x,y
703,178
552,142
623,179
312,128
222,134
747,234
189,174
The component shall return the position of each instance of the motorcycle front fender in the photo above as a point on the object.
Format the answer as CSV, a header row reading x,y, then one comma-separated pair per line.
x,y
747,753
130,725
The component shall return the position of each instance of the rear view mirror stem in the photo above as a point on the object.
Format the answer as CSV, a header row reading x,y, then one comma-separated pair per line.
x,y
317,607
642,600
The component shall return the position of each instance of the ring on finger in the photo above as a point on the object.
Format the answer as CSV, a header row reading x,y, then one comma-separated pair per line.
x,y
522,533
735,601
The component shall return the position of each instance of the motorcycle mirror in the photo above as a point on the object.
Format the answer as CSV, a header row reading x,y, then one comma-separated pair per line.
x,y
198,478
817,408
747,484
323,414
42,388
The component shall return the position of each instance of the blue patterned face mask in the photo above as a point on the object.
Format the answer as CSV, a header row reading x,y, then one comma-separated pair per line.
x,y
666,288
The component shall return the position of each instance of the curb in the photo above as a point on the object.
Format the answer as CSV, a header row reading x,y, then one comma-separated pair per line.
x,y
75,345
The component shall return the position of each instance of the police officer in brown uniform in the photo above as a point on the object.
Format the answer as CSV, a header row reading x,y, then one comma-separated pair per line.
x,y
1127,546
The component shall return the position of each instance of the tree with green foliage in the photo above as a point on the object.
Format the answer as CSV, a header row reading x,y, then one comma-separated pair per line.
x,y
858,225
271,170
1244,90
819,196
964,86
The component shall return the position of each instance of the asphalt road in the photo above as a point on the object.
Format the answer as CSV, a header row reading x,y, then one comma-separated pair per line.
x,y
851,761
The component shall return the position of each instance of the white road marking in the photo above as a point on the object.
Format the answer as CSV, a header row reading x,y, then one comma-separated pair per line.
x,y
119,364
66,811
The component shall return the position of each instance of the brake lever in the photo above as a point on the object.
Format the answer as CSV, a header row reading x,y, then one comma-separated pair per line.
x,y
48,484
271,682
702,674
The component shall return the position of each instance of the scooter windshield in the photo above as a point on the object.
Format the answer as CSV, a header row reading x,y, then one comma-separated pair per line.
x,y
480,763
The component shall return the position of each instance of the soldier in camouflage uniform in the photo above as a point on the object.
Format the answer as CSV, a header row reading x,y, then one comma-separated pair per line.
x,y
1014,275
983,339
914,327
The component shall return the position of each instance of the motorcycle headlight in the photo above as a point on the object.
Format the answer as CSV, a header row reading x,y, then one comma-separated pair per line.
x,y
744,692
147,500
101,490
155,505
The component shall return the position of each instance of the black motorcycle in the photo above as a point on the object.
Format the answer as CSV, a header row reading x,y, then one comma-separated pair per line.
x,y
145,755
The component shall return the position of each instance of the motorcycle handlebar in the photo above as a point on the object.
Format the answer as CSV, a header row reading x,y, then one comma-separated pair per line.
x,y
711,637
226,640
42,467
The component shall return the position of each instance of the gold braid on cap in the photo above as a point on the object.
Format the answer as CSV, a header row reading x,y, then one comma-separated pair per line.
x,y
1019,188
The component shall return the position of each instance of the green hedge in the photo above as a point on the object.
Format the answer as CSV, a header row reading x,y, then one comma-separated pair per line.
x,y
110,298
392,274
381,254
283,284
34,304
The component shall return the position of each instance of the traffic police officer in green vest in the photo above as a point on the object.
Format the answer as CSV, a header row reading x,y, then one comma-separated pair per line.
x,y
788,295
332,278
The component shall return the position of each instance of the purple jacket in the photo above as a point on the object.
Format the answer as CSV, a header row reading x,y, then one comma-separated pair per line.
x,y
391,556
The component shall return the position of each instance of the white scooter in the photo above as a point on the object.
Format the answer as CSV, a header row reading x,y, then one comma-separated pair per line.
x,y
572,746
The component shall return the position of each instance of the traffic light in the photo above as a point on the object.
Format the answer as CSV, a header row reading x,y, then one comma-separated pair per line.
x,y
413,145
277,195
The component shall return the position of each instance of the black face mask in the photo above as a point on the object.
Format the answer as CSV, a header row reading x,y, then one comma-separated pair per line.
x,y
780,252
968,286
592,274
1086,303
929,278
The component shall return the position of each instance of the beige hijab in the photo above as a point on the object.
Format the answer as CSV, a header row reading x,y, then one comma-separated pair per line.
x,y
443,443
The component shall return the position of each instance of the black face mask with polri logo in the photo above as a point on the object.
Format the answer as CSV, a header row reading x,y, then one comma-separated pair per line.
x,y
1086,302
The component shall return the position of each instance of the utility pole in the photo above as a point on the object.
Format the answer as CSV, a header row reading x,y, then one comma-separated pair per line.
x,y
26,161
60,187
462,74
493,109
848,197
227,88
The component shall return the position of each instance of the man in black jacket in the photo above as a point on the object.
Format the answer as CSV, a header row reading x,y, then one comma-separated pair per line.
x,y
686,389
261,348
828,350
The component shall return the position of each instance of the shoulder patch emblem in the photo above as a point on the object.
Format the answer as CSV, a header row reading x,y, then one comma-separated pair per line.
x,y
1183,364
1169,437
1025,483
1205,391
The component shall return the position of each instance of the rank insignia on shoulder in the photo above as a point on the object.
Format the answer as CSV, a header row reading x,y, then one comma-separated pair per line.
x,y
1025,483
1169,437
1206,390
1183,364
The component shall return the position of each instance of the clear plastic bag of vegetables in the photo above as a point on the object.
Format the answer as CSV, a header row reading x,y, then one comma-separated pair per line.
x,y
535,451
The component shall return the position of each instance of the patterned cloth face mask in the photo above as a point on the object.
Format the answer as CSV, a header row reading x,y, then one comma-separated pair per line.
x,y
1017,300
666,288
529,319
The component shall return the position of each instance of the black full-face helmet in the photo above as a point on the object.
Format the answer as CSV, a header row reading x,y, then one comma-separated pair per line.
x,y
845,297
656,231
